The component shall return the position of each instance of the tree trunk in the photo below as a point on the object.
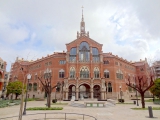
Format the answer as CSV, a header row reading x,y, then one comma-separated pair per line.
x,y
142,100
49,100
16,96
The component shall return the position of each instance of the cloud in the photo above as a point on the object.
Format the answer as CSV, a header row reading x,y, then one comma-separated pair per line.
x,y
129,29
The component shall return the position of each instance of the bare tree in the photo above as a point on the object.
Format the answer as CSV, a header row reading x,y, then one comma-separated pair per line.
x,y
48,88
142,85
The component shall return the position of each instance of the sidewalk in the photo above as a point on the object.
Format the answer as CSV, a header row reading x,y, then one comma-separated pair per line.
x,y
117,112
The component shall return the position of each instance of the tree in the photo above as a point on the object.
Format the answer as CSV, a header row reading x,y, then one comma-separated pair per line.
x,y
15,88
155,89
48,88
141,85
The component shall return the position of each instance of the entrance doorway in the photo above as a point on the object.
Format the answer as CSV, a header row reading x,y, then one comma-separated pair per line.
x,y
96,92
72,91
84,91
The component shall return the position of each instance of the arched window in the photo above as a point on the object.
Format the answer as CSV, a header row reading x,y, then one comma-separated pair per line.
x,y
30,87
72,72
72,56
119,74
35,87
84,52
96,72
106,74
84,72
95,54
109,87
61,73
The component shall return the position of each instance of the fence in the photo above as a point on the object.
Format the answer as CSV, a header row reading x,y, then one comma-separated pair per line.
x,y
55,116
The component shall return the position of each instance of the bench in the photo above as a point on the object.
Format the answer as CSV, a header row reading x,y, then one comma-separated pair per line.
x,y
111,101
95,104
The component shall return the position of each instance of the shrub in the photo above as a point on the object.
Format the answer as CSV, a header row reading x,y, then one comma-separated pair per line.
x,y
54,100
121,100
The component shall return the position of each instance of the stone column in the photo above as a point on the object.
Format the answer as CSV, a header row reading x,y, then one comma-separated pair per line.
x,y
77,94
66,95
91,93
102,95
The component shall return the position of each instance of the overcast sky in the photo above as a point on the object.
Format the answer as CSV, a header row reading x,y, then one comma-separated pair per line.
x,y
34,28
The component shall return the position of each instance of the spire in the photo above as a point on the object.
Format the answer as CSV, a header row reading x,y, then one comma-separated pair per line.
x,y
82,13
82,28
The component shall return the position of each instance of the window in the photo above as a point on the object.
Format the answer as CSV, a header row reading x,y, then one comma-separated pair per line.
x,y
84,52
0,75
72,72
84,72
61,73
106,62
116,63
73,52
141,69
106,74
35,87
95,54
30,87
96,72
109,87
119,74
61,62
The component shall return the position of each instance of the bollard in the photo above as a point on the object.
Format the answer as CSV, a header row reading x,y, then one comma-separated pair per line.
x,y
150,112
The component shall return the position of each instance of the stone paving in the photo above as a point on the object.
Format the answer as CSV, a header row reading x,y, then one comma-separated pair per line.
x,y
110,112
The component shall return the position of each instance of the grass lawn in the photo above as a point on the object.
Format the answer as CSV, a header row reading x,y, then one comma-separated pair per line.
x,y
151,100
59,103
45,108
154,108
124,103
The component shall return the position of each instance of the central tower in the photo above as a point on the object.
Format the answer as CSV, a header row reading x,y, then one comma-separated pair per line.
x,y
82,28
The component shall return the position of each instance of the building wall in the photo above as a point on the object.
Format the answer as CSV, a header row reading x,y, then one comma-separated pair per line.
x,y
2,74
53,62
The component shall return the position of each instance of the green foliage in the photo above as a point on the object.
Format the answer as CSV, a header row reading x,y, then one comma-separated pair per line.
x,y
151,100
5,103
45,108
15,88
155,89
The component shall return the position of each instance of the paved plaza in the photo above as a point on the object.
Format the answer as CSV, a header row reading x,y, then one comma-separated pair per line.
x,y
110,112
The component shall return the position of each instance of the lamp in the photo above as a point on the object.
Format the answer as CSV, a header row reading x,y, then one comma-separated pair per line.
x,y
28,78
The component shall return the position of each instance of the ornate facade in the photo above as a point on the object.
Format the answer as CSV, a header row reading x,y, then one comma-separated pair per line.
x,y
86,71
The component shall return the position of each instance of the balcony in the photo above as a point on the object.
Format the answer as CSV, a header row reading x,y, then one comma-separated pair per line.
x,y
96,61
84,61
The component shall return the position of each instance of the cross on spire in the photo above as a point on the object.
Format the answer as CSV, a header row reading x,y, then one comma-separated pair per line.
x,y
82,13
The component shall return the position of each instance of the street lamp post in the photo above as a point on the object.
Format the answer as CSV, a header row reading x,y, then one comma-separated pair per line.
x,y
120,92
28,78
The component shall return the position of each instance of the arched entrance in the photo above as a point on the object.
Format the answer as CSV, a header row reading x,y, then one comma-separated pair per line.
x,y
97,92
84,91
72,91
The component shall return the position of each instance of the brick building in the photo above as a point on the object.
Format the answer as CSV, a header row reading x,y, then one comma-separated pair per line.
x,y
2,74
156,69
87,72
